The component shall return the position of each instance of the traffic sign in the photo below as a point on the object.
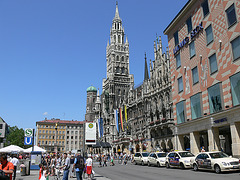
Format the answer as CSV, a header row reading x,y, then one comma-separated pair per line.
x,y
29,132
28,140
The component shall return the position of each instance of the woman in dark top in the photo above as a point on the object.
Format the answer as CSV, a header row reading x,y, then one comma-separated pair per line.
x,y
71,166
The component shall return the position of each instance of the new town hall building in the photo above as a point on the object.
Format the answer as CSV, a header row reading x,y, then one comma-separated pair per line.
x,y
146,110
191,96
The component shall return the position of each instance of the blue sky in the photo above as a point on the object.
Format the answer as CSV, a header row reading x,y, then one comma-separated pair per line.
x,y
51,51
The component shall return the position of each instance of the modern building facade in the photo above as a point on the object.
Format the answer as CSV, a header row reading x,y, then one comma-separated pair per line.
x,y
204,50
61,134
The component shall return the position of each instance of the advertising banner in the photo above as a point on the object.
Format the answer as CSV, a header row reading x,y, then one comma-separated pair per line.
x,y
90,133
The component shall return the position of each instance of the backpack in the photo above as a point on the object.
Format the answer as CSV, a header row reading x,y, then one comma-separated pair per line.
x,y
3,176
80,162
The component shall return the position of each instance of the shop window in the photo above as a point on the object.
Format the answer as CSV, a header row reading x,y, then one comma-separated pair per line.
x,y
180,85
178,60
180,112
176,40
236,48
195,77
192,49
235,88
189,24
215,100
209,34
196,109
231,15
213,64
205,8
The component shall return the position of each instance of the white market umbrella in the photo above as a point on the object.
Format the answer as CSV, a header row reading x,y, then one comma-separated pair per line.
x,y
11,148
36,148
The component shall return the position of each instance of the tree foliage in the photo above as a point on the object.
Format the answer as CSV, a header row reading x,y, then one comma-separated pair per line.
x,y
15,137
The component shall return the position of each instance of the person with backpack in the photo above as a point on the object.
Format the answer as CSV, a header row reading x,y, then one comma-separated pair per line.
x,y
6,168
79,165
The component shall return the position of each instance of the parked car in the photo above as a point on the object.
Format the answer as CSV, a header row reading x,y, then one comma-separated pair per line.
x,y
141,158
157,159
179,159
217,161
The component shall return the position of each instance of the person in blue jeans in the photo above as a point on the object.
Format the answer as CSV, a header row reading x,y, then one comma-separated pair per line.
x,y
78,166
66,167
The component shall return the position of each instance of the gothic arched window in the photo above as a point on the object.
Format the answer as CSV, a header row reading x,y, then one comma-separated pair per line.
x,y
123,70
122,58
115,26
117,69
119,39
117,58
114,38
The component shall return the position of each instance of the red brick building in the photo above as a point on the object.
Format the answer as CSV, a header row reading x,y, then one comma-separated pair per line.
x,y
204,49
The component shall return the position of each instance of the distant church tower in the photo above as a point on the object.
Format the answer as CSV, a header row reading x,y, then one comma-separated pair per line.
x,y
119,80
90,105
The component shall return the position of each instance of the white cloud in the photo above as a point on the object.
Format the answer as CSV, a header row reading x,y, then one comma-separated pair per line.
x,y
46,113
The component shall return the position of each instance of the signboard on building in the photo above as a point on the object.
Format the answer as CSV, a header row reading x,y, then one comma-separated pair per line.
x,y
90,133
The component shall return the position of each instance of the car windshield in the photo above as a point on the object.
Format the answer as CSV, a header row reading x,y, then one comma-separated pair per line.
x,y
218,155
145,154
161,155
186,154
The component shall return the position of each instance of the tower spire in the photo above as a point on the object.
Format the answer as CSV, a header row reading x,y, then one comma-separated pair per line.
x,y
146,76
117,13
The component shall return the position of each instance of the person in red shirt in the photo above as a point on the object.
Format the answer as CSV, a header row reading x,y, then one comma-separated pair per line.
x,y
6,166
40,171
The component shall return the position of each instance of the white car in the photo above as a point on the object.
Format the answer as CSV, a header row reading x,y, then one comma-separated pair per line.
x,y
217,161
141,158
157,159
179,159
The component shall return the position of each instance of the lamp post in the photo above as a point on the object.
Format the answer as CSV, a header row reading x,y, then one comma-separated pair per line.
x,y
55,144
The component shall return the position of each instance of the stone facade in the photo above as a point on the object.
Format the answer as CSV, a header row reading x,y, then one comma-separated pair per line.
x,y
60,135
146,110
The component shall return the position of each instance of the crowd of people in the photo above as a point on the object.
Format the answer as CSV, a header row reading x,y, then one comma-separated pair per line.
x,y
67,163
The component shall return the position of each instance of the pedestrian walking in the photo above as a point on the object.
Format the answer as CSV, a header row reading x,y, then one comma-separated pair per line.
x,y
79,165
89,166
203,149
15,162
71,171
66,167
105,161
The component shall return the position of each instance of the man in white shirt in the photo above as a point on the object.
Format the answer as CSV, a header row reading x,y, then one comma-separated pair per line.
x,y
66,167
15,162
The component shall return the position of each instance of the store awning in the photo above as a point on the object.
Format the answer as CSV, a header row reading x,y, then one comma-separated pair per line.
x,y
100,144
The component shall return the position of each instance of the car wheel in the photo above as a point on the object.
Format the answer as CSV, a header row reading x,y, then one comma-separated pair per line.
x,y
167,165
195,167
142,163
149,163
158,164
182,166
135,163
217,169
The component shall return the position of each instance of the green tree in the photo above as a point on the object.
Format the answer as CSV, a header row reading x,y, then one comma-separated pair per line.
x,y
15,137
